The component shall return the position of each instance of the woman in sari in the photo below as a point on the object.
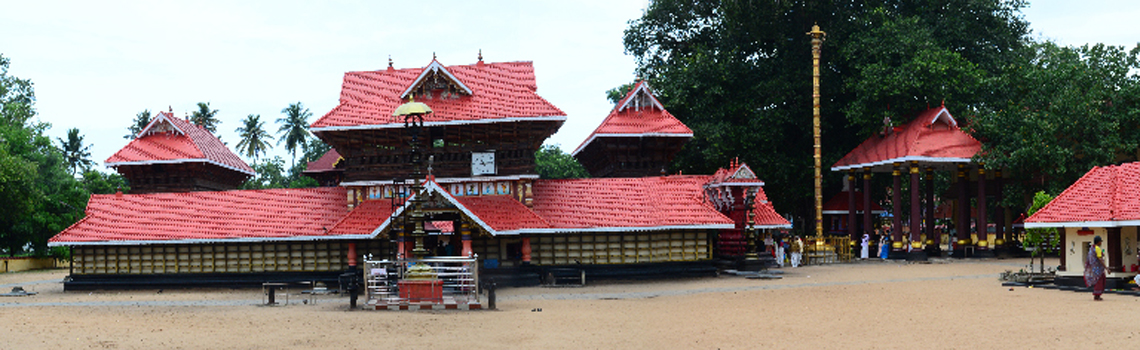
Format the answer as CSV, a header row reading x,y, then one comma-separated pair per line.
x,y
1094,269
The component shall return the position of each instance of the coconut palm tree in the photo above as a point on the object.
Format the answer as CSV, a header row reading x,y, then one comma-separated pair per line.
x,y
74,152
141,121
205,117
294,128
253,137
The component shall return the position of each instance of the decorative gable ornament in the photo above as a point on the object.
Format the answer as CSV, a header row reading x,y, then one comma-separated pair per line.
x,y
640,97
161,124
435,77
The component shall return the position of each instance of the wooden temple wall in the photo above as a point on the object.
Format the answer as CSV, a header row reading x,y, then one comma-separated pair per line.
x,y
601,248
312,256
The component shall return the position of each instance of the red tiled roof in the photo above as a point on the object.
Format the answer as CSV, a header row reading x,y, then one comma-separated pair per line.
x,y
1106,196
630,120
933,136
364,219
626,203
766,215
326,163
737,174
443,226
838,204
171,140
500,92
240,215
502,213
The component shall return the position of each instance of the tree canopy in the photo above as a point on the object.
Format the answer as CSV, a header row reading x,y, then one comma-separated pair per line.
x,y
294,130
253,137
739,74
141,121
205,117
551,163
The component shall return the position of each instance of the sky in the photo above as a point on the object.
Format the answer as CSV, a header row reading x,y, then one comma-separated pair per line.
x,y
96,64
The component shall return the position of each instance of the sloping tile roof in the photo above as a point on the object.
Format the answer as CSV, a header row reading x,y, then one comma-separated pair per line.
x,y
364,219
627,203
503,213
501,92
1106,196
766,215
240,215
838,204
325,163
737,174
169,140
629,120
932,137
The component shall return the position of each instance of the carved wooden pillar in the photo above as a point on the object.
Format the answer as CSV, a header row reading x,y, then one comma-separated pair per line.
x,y
963,222
1064,251
999,210
851,229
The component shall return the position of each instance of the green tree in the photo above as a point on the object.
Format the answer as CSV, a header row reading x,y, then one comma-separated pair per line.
x,y
270,174
141,121
205,117
739,74
551,163
253,137
97,182
1040,238
294,129
616,94
1067,110
77,155
38,196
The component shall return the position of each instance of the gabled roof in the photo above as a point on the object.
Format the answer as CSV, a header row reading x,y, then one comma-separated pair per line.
x,y
838,204
932,137
325,163
1106,196
496,92
766,215
626,204
638,114
737,174
169,140
221,216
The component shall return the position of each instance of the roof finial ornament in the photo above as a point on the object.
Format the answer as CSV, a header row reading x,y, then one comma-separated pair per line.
x,y
431,159
171,109
433,55
480,55
389,61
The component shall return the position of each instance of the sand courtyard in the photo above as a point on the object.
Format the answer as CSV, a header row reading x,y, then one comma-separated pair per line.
x,y
950,304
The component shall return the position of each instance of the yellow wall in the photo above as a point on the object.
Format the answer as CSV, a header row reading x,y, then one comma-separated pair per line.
x,y
1076,249
25,264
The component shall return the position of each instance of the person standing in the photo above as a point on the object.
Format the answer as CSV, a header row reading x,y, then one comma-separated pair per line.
x,y
1095,269
865,245
797,251
884,247
780,252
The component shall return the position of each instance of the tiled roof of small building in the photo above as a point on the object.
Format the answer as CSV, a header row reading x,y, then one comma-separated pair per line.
x,y
615,204
933,136
1106,196
240,215
499,92
503,213
325,163
630,119
168,140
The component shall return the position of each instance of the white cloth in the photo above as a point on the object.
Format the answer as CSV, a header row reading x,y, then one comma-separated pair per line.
x,y
796,259
780,254
865,245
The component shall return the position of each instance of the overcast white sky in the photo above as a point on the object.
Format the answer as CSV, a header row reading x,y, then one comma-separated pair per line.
x,y
96,64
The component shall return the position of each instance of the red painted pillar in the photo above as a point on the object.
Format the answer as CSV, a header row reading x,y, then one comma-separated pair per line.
x,y
351,255
896,206
867,221
851,220
526,250
465,234
983,224
915,206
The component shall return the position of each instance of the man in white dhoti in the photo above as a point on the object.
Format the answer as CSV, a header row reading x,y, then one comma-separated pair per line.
x,y
865,245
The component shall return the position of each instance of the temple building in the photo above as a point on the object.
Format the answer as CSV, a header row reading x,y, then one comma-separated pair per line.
x,y
1104,202
931,141
456,176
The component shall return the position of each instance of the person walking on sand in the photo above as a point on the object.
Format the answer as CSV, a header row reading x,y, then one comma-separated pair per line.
x,y
1094,269
865,245
780,252
797,251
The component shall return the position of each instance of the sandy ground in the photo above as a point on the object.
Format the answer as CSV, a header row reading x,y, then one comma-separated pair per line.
x,y
869,305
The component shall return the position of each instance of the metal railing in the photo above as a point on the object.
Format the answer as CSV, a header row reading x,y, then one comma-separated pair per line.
x,y
458,278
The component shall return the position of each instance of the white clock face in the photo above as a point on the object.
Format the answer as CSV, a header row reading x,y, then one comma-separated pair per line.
x,y
482,163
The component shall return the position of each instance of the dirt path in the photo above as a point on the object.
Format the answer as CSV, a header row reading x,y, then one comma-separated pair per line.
x,y
881,305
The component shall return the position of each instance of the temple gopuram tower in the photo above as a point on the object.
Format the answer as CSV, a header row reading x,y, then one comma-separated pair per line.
x,y
638,138
173,155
